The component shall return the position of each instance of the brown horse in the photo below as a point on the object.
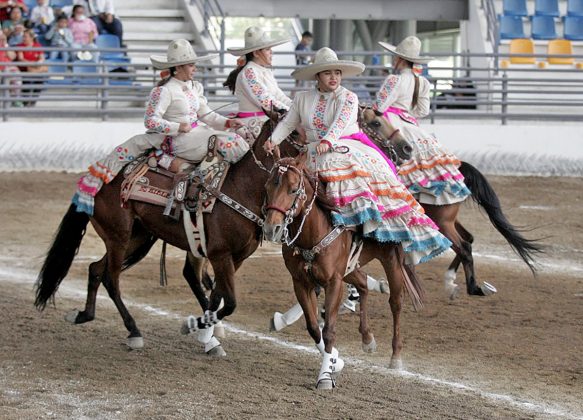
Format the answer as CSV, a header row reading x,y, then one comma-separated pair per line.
x,y
129,233
320,256
446,216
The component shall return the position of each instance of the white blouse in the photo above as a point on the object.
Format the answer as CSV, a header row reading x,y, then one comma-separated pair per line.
x,y
257,89
323,115
397,91
179,102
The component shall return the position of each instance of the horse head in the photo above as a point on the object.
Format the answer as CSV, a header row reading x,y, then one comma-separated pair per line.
x,y
385,134
286,197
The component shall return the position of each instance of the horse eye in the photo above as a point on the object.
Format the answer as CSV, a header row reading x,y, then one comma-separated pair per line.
x,y
376,123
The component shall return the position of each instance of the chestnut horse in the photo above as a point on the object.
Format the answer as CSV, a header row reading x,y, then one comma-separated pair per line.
x,y
446,216
129,233
319,257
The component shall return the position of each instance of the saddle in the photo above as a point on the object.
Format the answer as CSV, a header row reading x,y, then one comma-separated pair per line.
x,y
179,186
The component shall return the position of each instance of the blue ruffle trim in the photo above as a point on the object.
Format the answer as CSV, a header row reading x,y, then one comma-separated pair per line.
x,y
436,188
82,206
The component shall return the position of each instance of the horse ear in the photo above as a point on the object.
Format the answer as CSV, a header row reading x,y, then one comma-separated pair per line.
x,y
276,153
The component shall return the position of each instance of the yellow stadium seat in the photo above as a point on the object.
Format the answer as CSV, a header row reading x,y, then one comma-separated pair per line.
x,y
560,46
521,46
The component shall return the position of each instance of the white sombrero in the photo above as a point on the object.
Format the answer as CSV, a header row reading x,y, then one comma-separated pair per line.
x,y
326,59
408,49
179,52
256,39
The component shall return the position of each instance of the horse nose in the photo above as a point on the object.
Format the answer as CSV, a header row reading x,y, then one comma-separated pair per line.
x,y
406,150
273,233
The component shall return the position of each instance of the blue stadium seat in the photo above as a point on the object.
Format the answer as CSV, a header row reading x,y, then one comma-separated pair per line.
x,y
575,8
543,27
109,41
547,8
86,67
573,26
515,8
30,4
511,27
57,66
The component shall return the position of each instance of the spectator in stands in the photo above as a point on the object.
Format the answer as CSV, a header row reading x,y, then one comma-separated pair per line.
x,y
304,46
6,7
9,57
60,35
14,27
33,57
42,16
84,32
102,13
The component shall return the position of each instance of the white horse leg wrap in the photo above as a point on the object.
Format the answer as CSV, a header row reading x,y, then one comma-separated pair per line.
x,y
320,346
212,343
293,314
373,284
204,336
331,365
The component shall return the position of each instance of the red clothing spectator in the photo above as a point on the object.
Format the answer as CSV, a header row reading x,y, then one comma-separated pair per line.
x,y
32,56
7,5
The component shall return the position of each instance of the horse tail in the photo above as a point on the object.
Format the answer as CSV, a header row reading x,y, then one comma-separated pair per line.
x,y
61,254
485,196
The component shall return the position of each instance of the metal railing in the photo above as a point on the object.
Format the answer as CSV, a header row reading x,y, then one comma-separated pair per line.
x,y
492,32
212,12
120,89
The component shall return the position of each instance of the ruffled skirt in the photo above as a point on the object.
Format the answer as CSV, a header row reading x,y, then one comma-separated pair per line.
x,y
367,193
432,174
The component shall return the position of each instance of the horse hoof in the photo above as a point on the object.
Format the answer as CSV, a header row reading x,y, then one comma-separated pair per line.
x,y
488,289
136,343
396,364
370,347
325,384
217,351
72,316
219,331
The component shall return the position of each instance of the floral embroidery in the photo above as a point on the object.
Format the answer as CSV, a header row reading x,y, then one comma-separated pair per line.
x,y
153,118
341,119
123,154
167,145
193,105
264,100
384,94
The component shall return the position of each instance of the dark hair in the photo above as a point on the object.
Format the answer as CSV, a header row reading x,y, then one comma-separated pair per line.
x,y
77,6
231,81
167,79
307,34
61,17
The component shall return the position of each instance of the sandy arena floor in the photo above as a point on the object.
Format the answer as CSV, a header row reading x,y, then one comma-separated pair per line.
x,y
515,354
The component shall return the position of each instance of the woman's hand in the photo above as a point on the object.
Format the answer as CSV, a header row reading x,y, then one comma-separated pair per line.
x,y
233,123
323,147
269,146
184,128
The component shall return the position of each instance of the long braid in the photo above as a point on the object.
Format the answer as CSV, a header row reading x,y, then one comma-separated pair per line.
x,y
415,92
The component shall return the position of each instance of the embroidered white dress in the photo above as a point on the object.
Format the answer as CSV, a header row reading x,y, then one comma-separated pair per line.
x,y
257,89
432,173
358,180
168,106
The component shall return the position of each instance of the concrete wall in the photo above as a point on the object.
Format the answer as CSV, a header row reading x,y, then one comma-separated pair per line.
x,y
518,148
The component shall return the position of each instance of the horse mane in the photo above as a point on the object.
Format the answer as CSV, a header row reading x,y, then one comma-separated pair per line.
x,y
321,199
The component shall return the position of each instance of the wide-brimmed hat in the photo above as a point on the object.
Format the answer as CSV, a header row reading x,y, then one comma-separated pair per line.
x,y
408,49
326,59
179,52
257,39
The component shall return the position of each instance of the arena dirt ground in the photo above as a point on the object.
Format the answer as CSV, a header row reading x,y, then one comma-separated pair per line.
x,y
517,354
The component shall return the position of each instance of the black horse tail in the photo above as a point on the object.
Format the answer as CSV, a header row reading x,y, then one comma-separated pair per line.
x,y
485,196
61,254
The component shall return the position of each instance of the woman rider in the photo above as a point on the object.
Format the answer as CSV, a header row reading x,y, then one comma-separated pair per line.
x,y
253,82
432,173
172,119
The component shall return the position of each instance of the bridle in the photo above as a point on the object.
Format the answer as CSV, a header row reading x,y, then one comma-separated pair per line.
x,y
377,138
300,198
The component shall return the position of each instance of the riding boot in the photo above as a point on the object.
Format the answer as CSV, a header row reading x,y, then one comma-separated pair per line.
x,y
280,321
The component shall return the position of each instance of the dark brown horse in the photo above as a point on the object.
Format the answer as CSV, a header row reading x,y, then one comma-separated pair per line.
x,y
129,233
319,257
446,216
